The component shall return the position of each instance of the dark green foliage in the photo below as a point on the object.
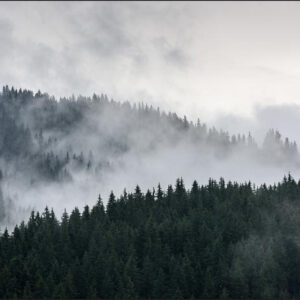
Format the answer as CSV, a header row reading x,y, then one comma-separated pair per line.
x,y
215,241
220,240
2,208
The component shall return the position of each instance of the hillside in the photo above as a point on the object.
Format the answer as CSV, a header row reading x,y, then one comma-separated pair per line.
x,y
217,240
52,149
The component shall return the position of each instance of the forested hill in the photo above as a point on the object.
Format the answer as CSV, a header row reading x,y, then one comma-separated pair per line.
x,y
215,241
40,129
96,141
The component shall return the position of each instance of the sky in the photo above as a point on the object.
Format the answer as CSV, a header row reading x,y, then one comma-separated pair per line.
x,y
218,61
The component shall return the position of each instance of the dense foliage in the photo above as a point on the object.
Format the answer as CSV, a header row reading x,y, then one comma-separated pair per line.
x,y
218,240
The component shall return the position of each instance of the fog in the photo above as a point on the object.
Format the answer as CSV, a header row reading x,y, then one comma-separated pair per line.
x,y
125,146
283,117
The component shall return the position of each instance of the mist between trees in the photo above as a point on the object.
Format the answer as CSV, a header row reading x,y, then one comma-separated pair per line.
x,y
62,153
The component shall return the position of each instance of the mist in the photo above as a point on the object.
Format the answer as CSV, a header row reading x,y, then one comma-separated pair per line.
x,y
98,145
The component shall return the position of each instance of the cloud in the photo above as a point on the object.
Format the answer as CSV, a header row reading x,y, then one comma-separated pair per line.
x,y
210,58
282,117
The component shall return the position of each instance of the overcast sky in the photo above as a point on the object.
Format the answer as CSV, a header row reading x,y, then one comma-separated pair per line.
x,y
196,58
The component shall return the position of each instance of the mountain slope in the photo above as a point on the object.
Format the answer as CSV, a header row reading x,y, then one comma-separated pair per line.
x,y
219,240
52,150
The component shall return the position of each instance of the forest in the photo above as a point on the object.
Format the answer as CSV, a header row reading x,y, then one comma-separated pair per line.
x,y
219,240
52,139
73,148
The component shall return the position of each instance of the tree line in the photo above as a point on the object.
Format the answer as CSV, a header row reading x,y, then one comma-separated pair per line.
x,y
219,240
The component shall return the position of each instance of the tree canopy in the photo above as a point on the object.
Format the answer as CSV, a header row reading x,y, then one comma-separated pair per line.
x,y
220,240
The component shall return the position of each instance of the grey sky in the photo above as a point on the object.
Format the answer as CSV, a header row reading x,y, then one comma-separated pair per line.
x,y
196,58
